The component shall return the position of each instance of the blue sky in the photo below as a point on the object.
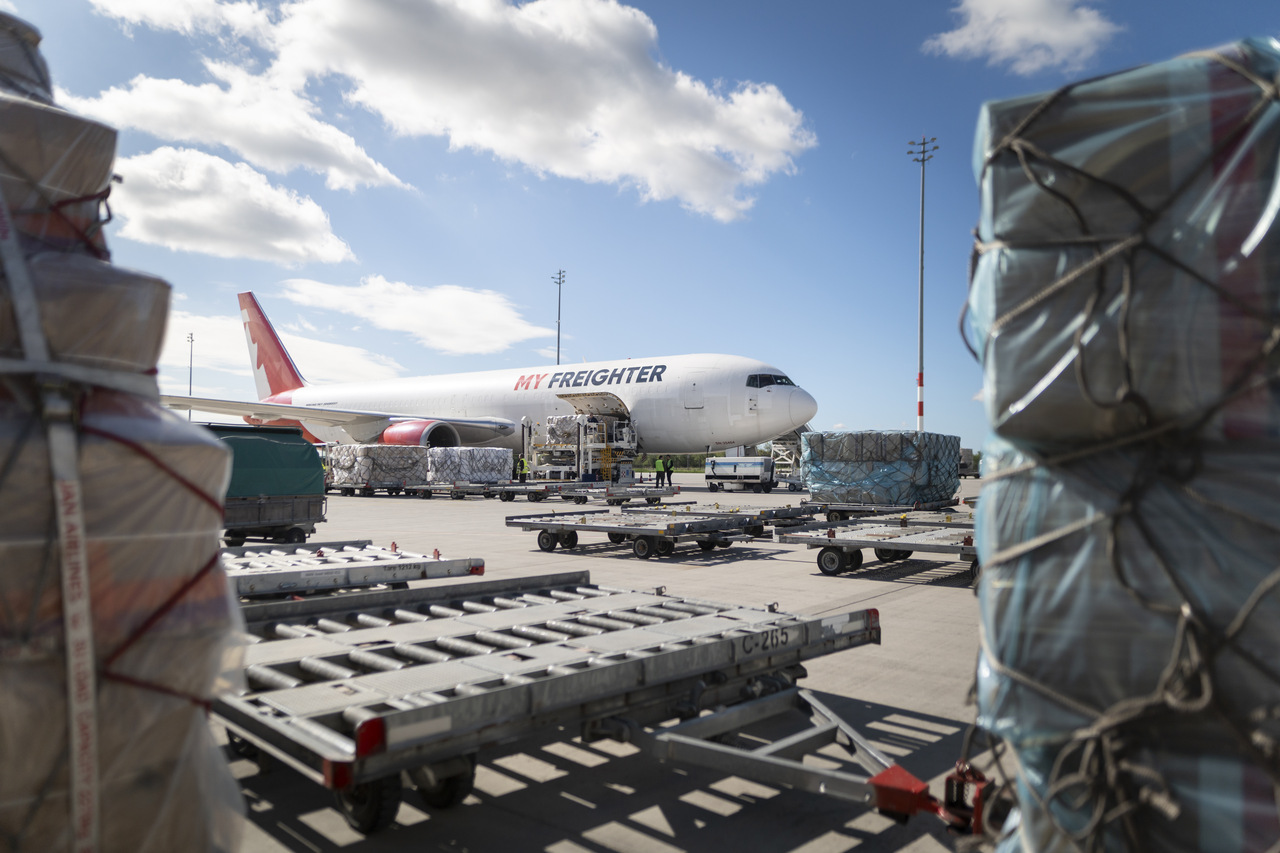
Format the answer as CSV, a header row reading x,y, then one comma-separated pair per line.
x,y
400,180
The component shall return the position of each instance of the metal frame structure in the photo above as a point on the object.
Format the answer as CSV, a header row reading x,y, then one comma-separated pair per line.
x,y
260,570
933,532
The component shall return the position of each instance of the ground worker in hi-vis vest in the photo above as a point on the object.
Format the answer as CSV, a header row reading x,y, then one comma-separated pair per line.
x,y
523,469
659,469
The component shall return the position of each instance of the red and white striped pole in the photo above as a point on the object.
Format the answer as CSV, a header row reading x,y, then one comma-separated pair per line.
x,y
921,156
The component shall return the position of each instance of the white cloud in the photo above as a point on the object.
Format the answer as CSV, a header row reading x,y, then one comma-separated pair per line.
x,y
1026,35
270,126
455,320
188,16
220,347
190,201
565,87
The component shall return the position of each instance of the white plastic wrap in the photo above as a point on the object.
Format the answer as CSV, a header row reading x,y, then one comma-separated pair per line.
x,y
471,464
22,68
880,467
378,465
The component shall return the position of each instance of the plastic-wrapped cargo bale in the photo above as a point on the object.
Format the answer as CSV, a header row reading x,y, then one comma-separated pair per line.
x,y
115,615
1127,273
1129,646
562,429
1125,301
471,464
378,465
880,467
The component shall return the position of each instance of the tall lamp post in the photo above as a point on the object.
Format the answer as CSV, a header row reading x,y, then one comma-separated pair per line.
x,y
558,278
921,153
191,353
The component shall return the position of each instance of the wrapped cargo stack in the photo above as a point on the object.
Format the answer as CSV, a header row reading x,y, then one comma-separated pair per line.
x,y
377,465
116,620
880,467
1124,304
471,464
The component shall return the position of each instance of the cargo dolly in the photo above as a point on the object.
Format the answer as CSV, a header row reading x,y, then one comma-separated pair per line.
x,y
365,692
891,539
580,493
650,532
329,566
774,516
836,512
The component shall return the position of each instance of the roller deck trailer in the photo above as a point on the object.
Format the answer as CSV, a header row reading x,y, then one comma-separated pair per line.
x,y
835,512
371,691
841,546
329,566
651,532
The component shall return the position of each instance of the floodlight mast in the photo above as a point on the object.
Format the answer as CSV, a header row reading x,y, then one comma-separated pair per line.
x,y
558,278
921,153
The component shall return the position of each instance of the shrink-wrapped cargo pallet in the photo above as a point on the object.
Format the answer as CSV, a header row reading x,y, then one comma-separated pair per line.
x,y
1125,302
875,467
115,617
470,464
562,429
377,465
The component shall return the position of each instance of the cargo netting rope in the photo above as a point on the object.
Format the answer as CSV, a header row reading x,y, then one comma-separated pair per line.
x,y
1122,488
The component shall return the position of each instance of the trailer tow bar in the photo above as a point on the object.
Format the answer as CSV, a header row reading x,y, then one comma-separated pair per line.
x,y
899,795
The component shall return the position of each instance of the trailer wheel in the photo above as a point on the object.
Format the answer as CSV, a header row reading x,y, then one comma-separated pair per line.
x,y
506,497
664,547
652,501
366,492
792,487
617,538
458,496
755,530
295,536
534,497
546,540
451,791
371,807
643,547
569,539
425,494
579,499
854,559
346,493
707,544
975,572
233,541
831,561
834,516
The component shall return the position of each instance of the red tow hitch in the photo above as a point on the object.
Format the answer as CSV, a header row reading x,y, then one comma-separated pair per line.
x,y
900,795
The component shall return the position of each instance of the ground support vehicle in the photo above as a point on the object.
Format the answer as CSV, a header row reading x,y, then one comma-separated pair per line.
x,y
364,692
277,486
330,566
650,532
835,512
739,473
934,533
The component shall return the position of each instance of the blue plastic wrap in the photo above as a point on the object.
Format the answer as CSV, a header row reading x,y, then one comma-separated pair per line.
x,y
880,467
1127,272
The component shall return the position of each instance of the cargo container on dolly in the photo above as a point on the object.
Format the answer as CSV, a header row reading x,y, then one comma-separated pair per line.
x,y
277,487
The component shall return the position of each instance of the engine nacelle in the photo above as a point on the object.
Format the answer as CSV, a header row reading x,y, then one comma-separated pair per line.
x,y
420,433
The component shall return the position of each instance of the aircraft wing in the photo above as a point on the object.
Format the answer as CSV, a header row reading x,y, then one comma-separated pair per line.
x,y
362,426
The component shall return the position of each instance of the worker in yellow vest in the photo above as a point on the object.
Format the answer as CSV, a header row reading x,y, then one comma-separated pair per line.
x,y
523,469
659,470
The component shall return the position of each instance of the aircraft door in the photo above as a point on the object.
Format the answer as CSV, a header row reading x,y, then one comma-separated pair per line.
x,y
692,394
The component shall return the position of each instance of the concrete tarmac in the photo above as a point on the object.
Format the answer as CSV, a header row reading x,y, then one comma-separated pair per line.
x,y
907,695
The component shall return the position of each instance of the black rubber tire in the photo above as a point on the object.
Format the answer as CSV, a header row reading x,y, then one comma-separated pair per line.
x,y
569,539
579,499
831,561
233,541
458,496
617,538
854,561
535,497
346,493
713,487
643,547
755,530
506,497
792,487
767,488
547,540
664,547
371,807
887,555
724,544
450,792
757,488
652,501
425,494
834,516
295,536
706,544
366,492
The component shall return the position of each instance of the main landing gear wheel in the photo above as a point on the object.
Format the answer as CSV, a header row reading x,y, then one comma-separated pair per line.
x,y
664,547
831,561
569,539
546,540
371,807
643,547
617,538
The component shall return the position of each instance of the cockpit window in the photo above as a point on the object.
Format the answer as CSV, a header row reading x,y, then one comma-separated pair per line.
x,y
764,380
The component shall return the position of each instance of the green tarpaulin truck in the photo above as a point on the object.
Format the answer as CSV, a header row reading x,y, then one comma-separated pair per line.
x,y
277,484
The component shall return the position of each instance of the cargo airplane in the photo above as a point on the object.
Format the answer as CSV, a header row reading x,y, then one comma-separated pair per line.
x,y
676,404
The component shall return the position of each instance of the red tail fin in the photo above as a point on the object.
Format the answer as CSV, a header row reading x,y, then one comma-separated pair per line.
x,y
273,371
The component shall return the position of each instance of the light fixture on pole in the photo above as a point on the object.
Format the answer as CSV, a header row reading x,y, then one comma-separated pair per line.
x,y
191,353
921,153
558,278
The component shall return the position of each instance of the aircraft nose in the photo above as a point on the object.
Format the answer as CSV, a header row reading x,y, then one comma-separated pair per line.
x,y
801,407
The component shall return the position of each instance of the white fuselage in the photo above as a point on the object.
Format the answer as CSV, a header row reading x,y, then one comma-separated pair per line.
x,y
678,404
